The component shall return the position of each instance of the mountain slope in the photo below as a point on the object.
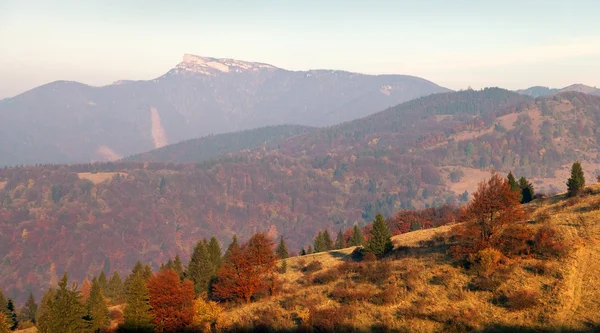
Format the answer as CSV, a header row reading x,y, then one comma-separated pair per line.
x,y
422,153
539,91
69,122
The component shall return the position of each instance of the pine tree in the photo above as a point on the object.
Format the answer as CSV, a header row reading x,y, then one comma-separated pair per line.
x,y
115,289
30,309
281,251
12,319
44,317
526,189
380,240
67,311
234,245
339,241
215,253
137,311
577,180
102,281
514,186
327,241
178,266
97,311
358,239
200,269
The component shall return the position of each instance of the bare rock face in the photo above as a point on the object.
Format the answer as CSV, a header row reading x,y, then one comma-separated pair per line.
x,y
70,122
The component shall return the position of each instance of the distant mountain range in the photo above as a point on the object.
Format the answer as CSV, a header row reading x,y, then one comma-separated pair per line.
x,y
539,91
289,181
70,122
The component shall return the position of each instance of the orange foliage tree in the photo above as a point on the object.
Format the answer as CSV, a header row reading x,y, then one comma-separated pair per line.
x,y
247,270
172,301
493,208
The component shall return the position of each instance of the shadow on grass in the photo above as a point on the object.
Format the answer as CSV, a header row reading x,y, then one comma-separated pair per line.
x,y
524,329
339,254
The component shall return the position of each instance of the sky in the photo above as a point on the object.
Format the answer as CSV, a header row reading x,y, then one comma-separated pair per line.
x,y
454,43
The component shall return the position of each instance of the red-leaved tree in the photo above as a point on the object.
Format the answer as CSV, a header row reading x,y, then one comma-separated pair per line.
x,y
246,270
493,208
172,301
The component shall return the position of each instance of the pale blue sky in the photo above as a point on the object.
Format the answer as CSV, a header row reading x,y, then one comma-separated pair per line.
x,y
455,43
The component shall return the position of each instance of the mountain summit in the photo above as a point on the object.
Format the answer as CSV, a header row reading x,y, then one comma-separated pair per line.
x,y
207,65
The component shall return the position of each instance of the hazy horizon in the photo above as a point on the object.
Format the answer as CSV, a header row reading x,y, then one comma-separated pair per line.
x,y
510,44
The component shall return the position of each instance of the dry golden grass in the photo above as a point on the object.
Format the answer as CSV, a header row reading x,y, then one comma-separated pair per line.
x,y
434,294
99,177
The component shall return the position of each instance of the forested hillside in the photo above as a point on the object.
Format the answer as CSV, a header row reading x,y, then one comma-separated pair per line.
x,y
424,153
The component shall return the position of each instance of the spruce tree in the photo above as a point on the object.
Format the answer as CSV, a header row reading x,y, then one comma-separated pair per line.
x,y
138,268
310,249
103,281
282,251
319,243
137,311
215,253
67,311
339,241
526,189
303,251
97,311
178,266
43,319
12,320
147,273
115,290
327,241
200,269
30,309
358,239
514,186
380,240
234,245
577,180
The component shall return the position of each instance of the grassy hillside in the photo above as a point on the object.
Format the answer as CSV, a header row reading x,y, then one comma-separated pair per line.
x,y
426,291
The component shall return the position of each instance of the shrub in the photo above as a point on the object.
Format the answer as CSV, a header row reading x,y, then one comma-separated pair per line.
x,y
370,257
386,297
289,303
485,283
539,268
205,312
378,273
547,243
486,261
332,320
343,294
326,277
442,279
313,266
515,240
519,299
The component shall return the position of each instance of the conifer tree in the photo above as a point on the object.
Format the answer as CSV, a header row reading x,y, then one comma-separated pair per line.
x,y
67,311
358,239
200,269
178,266
4,324
115,290
30,309
282,251
137,311
310,249
4,306
97,310
12,319
303,251
327,241
102,281
138,268
44,317
514,186
526,189
147,272
234,245
215,253
319,243
577,180
380,240
339,240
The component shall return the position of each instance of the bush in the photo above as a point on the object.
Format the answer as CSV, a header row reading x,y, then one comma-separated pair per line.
x,y
547,243
519,300
369,257
313,266
332,320
326,277
344,294
386,297
378,273
486,261
485,283
515,240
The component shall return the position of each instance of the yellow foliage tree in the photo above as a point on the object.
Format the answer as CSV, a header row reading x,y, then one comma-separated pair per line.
x,y
205,312
4,326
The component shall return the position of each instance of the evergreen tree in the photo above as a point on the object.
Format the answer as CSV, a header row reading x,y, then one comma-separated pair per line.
x,y
44,317
319,243
67,311
200,269
327,241
215,253
4,323
514,186
137,311
339,241
97,311
4,308
380,240
30,309
103,281
310,249
12,319
178,266
147,272
358,239
138,268
282,251
234,245
115,290
526,189
303,251
577,180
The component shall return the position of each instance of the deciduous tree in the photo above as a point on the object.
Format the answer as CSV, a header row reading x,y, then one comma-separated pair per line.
x,y
171,301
